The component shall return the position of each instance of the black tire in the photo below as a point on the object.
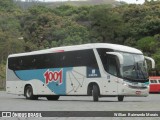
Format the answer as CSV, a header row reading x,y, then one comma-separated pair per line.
x,y
54,97
95,93
28,93
120,98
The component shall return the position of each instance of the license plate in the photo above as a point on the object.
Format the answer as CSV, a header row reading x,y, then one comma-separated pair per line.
x,y
138,92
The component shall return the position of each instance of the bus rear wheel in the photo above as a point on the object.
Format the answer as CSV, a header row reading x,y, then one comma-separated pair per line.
x,y
28,93
120,98
95,93
54,97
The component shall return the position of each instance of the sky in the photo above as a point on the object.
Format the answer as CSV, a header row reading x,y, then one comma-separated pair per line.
x,y
60,0
133,1
127,1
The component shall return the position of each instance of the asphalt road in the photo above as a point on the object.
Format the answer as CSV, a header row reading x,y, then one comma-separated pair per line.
x,y
10,102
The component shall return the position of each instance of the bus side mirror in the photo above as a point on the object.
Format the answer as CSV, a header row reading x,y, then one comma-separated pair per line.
x,y
119,56
152,61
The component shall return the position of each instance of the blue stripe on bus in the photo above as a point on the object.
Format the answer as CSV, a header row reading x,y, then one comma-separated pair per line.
x,y
55,85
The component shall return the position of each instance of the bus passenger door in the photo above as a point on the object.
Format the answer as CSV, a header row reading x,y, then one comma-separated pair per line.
x,y
112,75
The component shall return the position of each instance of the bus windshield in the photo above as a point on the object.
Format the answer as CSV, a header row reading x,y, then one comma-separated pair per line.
x,y
134,67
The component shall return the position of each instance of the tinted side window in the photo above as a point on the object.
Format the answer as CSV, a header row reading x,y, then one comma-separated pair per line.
x,y
109,61
111,65
79,58
54,60
153,81
103,56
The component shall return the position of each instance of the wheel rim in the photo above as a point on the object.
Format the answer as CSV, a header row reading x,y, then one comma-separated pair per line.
x,y
28,93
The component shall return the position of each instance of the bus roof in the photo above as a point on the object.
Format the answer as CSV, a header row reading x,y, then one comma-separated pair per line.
x,y
81,47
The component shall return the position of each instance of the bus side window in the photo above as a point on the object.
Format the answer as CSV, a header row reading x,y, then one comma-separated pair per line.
x,y
55,60
112,66
153,81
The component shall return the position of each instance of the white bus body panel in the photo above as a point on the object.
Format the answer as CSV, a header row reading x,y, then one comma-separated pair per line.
x,y
76,79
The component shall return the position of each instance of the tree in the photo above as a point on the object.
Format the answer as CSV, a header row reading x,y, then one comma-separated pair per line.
x,y
106,25
148,45
46,29
9,34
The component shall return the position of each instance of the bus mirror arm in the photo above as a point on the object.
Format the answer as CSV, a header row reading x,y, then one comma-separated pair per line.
x,y
152,61
120,56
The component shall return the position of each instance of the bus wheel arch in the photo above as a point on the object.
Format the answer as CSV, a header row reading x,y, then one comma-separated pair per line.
x,y
93,90
28,92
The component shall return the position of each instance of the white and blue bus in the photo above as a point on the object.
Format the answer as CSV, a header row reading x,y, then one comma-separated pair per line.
x,y
98,70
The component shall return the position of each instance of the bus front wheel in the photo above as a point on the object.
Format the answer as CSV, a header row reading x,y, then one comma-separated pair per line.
x,y
28,92
95,93
120,98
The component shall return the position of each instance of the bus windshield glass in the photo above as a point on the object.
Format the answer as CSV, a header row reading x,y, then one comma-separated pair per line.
x,y
134,67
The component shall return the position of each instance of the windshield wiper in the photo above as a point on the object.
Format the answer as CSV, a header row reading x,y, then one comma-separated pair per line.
x,y
140,69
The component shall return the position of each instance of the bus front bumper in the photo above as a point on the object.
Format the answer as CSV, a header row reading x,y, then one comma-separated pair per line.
x,y
130,91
